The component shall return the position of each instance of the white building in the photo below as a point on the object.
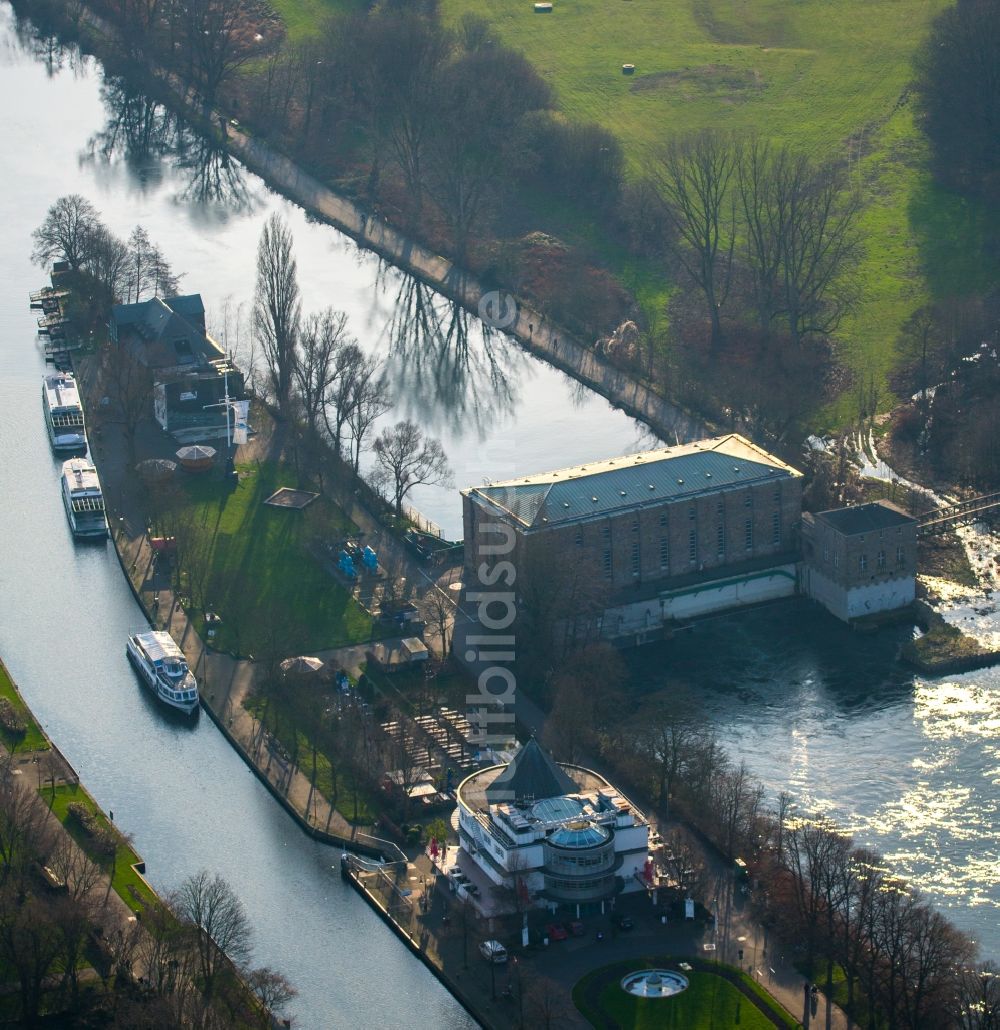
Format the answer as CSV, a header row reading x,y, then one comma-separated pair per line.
x,y
551,834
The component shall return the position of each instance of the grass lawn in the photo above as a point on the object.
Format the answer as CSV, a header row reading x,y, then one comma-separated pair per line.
x,y
295,740
830,77
255,568
33,739
303,17
709,1003
127,883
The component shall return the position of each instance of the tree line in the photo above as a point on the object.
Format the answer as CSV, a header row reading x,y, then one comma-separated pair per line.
x,y
114,270
904,964
958,96
463,145
186,962
326,387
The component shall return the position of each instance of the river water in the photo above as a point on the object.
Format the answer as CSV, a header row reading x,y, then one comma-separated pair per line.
x,y
909,766
182,792
497,411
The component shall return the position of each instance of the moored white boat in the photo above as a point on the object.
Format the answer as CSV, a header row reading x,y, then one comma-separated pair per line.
x,y
63,412
83,499
163,668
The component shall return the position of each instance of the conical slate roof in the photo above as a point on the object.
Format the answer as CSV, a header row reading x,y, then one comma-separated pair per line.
x,y
531,776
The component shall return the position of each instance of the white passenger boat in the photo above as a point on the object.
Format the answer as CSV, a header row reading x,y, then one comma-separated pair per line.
x,y
163,668
63,412
83,499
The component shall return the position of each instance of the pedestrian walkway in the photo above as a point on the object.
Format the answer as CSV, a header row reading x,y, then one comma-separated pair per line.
x,y
226,682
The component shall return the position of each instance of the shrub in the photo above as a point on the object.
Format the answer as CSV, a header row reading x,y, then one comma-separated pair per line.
x,y
11,720
102,839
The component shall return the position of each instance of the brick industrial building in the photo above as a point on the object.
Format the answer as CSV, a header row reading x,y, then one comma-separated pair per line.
x,y
661,535
861,560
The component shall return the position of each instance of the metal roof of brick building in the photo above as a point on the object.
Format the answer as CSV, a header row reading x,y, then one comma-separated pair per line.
x,y
865,518
607,487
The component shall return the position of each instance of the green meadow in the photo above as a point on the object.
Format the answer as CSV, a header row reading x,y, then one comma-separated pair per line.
x,y
259,571
829,77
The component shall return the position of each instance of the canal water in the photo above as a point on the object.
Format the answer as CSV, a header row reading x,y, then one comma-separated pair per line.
x,y
497,411
182,792
909,766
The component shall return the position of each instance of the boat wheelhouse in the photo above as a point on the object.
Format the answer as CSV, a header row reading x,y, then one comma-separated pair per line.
x,y
163,668
63,412
83,499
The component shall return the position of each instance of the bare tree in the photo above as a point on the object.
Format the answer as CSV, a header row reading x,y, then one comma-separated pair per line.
x,y
440,610
586,700
470,159
272,990
693,175
23,824
396,101
222,931
809,850
317,365
370,400
108,264
148,270
406,459
349,362
801,237
666,727
277,308
221,38
763,209
66,233
819,248
30,945
977,1001
128,385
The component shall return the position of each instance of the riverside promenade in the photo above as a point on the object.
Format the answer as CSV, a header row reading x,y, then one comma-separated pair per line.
x,y
499,309
225,681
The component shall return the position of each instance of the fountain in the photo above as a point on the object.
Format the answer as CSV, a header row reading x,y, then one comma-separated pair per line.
x,y
654,983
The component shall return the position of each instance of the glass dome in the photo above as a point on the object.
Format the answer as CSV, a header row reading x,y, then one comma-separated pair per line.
x,y
579,835
555,810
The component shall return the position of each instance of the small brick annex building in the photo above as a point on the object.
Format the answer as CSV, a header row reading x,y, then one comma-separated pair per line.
x,y
660,535
860,561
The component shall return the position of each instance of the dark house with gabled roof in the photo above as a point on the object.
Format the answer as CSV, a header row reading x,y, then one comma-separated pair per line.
x,y
166,332
190,371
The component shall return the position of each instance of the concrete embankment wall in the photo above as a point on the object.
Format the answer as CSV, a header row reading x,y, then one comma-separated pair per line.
x,y
530,328
414,946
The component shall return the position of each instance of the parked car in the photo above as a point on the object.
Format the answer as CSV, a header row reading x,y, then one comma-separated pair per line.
x,y
493,951
623,922
556,932
575,928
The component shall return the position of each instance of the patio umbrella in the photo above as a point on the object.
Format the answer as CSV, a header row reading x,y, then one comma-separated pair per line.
x,y
303,666
155,470
197,457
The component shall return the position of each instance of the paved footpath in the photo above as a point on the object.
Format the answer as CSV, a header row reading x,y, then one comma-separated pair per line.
x,y
225,681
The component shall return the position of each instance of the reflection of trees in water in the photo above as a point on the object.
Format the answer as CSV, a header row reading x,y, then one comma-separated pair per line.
x,y
443,376
145,135
214,177
136,128
37,38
